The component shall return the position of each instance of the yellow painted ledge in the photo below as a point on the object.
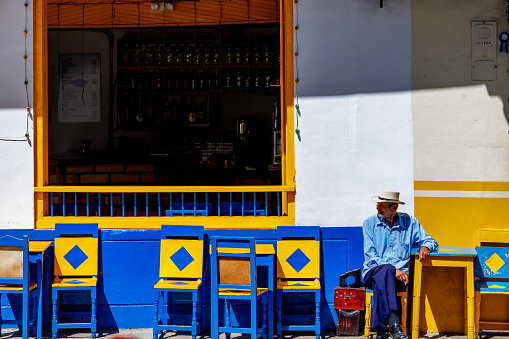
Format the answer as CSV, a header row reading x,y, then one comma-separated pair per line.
x,y
461,186
156,222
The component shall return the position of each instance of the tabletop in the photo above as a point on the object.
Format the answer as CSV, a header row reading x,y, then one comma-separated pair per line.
x,y
38,246
449,251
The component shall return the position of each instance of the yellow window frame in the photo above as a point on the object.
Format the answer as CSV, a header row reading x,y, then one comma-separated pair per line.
x,y
41,179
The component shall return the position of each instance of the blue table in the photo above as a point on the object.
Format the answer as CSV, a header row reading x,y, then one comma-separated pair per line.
x,y
446,257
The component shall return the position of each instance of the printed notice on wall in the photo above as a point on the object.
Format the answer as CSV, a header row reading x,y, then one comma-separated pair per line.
x,y
79,88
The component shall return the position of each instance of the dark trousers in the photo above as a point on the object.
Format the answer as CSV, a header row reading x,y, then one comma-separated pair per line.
x,y
382,280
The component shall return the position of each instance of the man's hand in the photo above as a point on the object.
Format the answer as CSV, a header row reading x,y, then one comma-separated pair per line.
x,y
401,276
423,253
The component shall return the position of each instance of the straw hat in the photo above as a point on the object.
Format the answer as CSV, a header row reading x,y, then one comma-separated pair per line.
x,y
388,196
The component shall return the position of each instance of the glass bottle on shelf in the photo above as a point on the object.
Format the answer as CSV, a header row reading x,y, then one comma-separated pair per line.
x,y
206,56
170,55
159,58
143,54
193,82
256,55
247,55
188,56
238,80
178,56
159,81
197,56
238,58
150,55
177,75
126,55
247,80
215,56
201,115
266,80
166,112
202,80
258,80
227,80
185,80
228,56
266,54
137,55
214,79
276,133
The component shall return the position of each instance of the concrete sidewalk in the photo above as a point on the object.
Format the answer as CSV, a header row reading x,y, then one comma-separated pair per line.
x,y
146,333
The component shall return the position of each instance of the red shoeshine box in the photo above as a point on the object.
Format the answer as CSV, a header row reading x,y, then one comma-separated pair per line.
x,y
348,298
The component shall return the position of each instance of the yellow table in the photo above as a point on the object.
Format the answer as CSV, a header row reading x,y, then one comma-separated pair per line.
x,y
446,257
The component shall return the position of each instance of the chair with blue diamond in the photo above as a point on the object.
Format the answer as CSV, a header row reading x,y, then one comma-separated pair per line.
x,y
180,271
14,279
76,269
233,281
298,271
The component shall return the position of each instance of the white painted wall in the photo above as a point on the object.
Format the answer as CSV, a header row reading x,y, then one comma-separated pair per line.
x,y
16,157
354,67
461,125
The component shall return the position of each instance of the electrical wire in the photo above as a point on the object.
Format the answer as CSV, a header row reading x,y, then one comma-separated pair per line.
x,y
26,137
297,106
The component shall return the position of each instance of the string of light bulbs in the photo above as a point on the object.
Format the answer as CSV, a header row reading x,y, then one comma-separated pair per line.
x,y
25,57
297,106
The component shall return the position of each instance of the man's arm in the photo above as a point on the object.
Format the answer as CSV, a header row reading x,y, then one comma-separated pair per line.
x,y
426,243
371,256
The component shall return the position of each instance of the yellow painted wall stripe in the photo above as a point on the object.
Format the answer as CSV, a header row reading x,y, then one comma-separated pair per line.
x,y
461,186
462,194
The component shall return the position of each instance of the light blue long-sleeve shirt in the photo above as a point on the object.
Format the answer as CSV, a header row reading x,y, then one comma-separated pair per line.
x,y
383,245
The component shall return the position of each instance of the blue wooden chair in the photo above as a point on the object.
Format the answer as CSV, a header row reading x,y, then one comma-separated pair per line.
x,y
491,274
76,261
180,270
14,279
233,275
298,271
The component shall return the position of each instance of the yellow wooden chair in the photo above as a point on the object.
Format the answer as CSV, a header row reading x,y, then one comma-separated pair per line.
x,y
298,271
180,270
76,259
404,306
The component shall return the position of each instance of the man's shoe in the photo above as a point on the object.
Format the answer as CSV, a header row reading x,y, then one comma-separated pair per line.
x,y
397,332
382,336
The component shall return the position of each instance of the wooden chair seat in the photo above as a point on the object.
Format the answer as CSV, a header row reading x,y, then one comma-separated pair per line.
x,y
299,284
240,292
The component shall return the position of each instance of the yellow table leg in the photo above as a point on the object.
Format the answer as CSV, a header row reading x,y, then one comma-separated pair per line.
x,y
416,302
470,299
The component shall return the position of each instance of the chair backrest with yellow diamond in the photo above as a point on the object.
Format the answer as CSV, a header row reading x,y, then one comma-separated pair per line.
x,y
76,249
298,252
181,254
492,246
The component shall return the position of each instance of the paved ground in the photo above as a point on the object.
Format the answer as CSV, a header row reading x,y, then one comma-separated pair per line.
x,y
146,333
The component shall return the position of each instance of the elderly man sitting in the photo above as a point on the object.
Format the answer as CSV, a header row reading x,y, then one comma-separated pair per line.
x,y
388,238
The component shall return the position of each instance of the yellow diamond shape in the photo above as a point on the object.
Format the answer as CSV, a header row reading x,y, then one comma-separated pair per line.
x,y
495,262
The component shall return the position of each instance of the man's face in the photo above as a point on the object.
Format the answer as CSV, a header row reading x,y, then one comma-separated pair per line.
x,y
385,211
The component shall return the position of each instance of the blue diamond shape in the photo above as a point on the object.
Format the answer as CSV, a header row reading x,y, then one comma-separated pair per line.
x,y
182,258
75,257
298,260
